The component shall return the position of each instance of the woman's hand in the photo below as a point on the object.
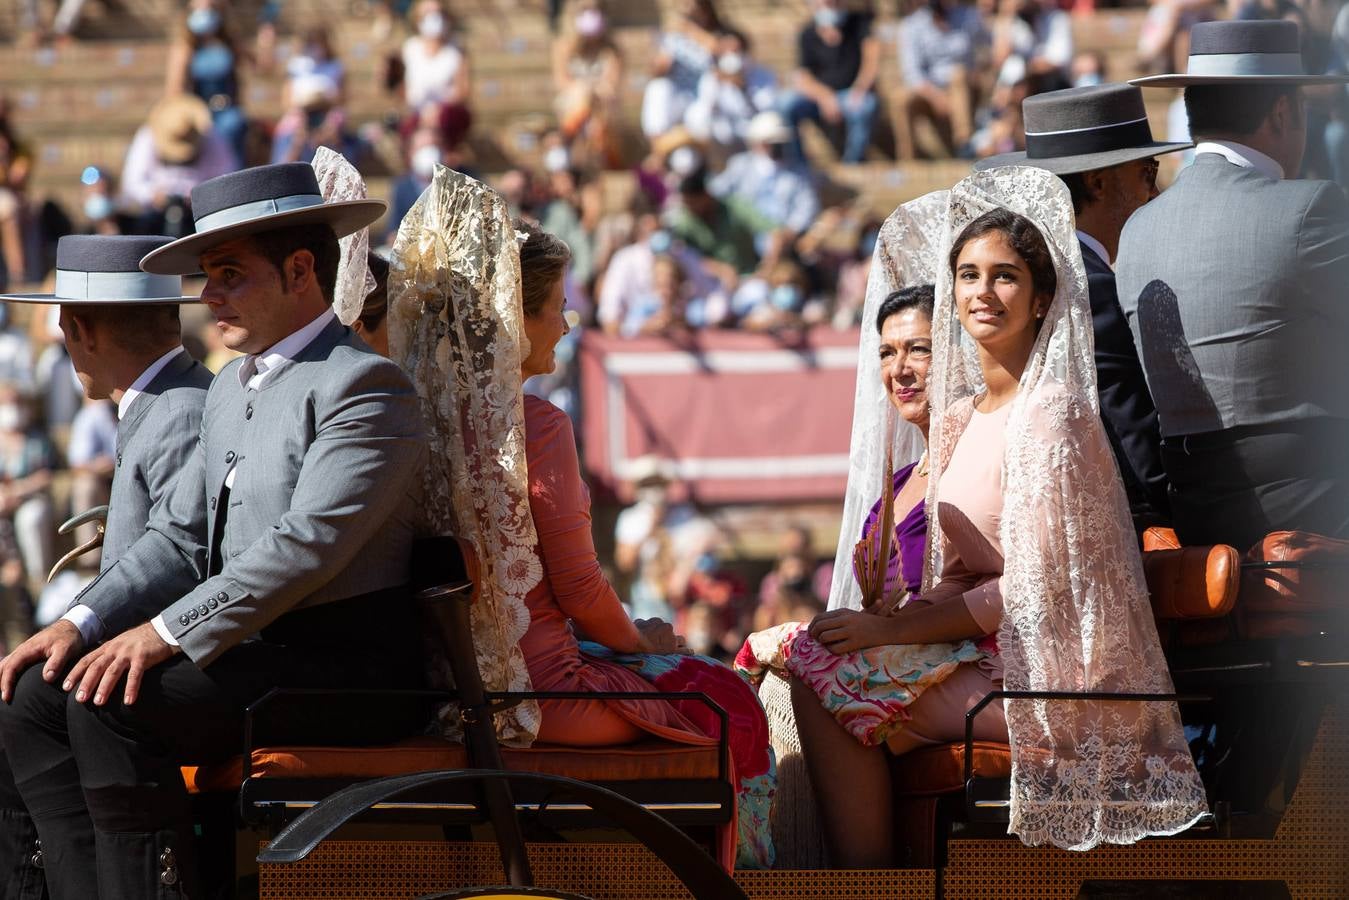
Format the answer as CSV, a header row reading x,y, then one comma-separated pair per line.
x,y
658,636
844,630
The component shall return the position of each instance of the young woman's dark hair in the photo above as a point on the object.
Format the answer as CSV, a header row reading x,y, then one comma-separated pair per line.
x,y
922,297
1024,238
376,305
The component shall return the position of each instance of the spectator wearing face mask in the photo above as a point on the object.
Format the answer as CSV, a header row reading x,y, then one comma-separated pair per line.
x,y
206,61
688,46
588,77
436,77
937,47
630,276
731,94
837,62
177,149
26,519
424,154
16,356
314,55
96,203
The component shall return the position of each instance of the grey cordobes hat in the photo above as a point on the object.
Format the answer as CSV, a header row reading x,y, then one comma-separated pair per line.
x,y
1241,53
1083,129
255,200
105,270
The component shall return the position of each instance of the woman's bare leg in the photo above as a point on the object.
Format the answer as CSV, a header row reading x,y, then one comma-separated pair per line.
x,y
852,786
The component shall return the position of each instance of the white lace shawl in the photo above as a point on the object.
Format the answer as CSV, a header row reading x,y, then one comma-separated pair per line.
x,y
1076,611
456,327
905,255
339,181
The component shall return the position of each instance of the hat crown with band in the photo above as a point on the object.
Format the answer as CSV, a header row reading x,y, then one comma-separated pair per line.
x,y
1082,120
105,269
251,193
1260,48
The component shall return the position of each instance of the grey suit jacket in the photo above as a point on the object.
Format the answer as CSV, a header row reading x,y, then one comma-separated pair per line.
x,y
1236,288
154,442
323,506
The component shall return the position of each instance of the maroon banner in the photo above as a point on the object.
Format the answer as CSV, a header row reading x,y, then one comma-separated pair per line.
x,y
736,417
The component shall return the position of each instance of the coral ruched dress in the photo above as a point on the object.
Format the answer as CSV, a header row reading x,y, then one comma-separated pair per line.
x,y
574,590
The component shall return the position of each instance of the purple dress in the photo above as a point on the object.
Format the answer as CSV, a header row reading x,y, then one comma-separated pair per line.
x,y
910,542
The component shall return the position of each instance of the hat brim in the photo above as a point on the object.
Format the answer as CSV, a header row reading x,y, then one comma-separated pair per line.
x,y
1087,162
182,257
53,300
1164,81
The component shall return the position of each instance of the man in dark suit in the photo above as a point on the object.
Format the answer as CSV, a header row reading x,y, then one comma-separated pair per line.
x,y
1097,140
122,331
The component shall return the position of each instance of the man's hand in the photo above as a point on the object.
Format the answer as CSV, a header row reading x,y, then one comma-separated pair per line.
x,y
658,637
132,653
844,630
57,644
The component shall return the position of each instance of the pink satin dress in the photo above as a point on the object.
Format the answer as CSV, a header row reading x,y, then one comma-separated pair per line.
x,y
574,590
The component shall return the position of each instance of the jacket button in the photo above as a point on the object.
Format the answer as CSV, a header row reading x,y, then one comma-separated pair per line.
x,y
248,411
119,460
223,597
183,620
192,614
229,457
212,503
204,610
213,603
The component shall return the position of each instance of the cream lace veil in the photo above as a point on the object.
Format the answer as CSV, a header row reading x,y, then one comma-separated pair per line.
x,y
455,325
906,254
338,181
1076,610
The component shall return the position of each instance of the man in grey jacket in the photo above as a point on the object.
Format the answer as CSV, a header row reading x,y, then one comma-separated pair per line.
x,y
1234,283
124,338
306,478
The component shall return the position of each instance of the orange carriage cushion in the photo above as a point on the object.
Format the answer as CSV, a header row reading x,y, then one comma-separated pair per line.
x,y
1158,538
940,769
1192,582
1295,602
644,760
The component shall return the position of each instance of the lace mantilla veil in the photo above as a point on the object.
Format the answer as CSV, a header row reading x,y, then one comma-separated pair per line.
x,y
339,181
455,325
1076,611
905,255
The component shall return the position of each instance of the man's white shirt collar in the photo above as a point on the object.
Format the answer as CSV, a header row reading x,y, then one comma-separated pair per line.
x,y
141,383
258,368
1095,246
1241,155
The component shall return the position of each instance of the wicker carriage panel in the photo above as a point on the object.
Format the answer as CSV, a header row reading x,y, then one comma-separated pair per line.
x,y
1310,851
380,870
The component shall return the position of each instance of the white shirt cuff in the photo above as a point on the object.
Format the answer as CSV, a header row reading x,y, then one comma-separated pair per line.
x,y
88,623
163,631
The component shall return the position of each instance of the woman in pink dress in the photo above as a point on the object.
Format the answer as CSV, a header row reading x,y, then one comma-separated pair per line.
x,y
1032,554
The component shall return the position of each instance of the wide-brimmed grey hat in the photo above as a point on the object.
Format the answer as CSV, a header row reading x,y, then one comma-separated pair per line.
x,y
1241,53
252,201
105,270
1082,129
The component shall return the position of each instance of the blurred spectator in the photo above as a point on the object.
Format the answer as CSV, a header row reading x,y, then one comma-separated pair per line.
x,y
92,456
838,59
937,47
58,390
63,24
315,119
27,528
660,310
216,353
731,94
1031,38
424,154
588,76
778,200
16,357
436,79
1088,69
573,215
798,583
204,60
16,166
177,149
96,203
714,228
630,274
1163,40
776,301
688,45
314,55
